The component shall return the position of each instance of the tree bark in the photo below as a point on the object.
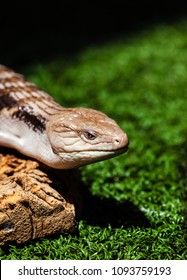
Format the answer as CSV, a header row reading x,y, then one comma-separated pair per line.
x,y
35,201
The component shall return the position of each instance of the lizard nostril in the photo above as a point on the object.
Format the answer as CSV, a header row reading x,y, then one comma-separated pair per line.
x,y
121,141
117,141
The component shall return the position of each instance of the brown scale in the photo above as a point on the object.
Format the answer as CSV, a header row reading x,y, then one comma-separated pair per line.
x,y
19,105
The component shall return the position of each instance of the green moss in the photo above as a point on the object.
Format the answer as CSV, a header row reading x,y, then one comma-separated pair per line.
x,y
136,207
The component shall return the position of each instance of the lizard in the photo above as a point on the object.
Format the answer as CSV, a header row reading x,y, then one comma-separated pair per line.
x,y
34,124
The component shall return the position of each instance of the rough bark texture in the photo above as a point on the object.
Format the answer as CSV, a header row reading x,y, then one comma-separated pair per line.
x,y
35,201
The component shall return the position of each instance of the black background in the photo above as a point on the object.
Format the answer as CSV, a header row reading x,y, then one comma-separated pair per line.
x,y
39,31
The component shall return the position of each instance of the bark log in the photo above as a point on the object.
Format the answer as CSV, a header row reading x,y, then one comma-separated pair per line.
x,y
35,201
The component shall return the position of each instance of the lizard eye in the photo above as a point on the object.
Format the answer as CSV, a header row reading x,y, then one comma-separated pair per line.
x,y
89,135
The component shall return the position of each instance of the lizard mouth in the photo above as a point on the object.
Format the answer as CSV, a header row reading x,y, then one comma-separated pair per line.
x,y
112,153
88,157
120,150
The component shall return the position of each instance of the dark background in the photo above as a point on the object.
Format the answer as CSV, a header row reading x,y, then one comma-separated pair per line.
x,y
35,32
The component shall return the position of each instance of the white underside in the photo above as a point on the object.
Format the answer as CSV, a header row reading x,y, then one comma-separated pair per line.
x,y
17,135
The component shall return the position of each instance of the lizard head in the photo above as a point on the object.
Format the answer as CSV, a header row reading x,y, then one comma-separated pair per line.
x,y
80,136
